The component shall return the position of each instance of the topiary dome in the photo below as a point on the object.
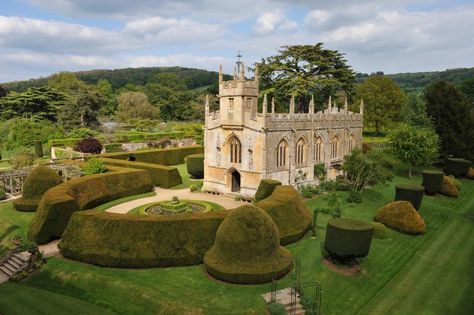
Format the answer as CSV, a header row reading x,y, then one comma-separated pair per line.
x,y
401,216
247,248
449,188
39,181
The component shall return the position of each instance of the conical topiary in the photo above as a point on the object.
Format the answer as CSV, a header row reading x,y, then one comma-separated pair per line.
x,y
449,188
247,249
401,216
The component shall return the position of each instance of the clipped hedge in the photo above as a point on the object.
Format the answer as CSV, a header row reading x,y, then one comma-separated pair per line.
x,y
60,202
401,216
470,173
265,188
348,238
411,193
456,182
39,181
432,181
289,212
131,241
195,165
449,188
161,175
171,156
247,249
380,230
457,167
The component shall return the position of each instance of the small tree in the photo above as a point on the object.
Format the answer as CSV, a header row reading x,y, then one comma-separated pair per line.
x,y
39,149
89,145
363,169
413,145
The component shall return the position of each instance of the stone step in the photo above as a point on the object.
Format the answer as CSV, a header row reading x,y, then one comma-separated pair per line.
x,y
17,260
10,267
7,271
23,256
14,263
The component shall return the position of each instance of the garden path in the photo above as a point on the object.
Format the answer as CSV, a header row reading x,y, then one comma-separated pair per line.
x,y
167,194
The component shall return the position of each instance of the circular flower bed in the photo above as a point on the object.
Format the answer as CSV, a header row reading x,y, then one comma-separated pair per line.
x,y
176,207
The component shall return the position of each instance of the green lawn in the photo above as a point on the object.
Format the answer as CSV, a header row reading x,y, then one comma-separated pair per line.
x,y
12,223
403,274
187,180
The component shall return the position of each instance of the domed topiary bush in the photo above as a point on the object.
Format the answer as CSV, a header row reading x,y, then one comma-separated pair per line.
x,y
39,181
247,249
195,165
348,238
457,167
456,182
470,173
265,188
432,181
401,216
89,145
380,230
449,188
412,193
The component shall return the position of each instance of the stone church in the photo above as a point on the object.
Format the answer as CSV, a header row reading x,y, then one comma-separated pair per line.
x,y
244,146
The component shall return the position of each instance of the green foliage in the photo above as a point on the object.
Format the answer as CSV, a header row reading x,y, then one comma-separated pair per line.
x,y
354,196
319,171
245,248
289,212
380,230
39,149
87,192
135,105
38,182
412,193
401,216
334,206
372,168
457,167
161,175
22,159
94,166
127,240
113,147
453,118
414,113
195,165
383,99
413,145
265,188
432,181
348,238
81,133
276,308
467,87
3,194
303,71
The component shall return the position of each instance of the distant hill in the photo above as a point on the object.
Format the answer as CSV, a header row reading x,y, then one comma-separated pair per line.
x,y
198,78
417,81
193,78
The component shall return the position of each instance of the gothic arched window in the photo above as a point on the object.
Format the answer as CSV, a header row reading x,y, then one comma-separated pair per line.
x,y
351,143
300,152
235,150
282,151
318,149
335,144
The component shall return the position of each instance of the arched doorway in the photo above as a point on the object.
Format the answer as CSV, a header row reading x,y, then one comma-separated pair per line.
x,y
235,181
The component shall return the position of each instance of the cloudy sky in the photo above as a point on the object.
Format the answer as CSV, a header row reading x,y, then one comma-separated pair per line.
x,y
40,37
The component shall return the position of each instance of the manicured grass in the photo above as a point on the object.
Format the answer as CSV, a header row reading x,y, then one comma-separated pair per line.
x,y
110,204
12,223
187,180
141,209
403,274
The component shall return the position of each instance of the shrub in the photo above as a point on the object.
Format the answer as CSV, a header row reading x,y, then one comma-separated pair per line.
x,y
89,145
87,192
94,166
354,197
22,159
3,194
470,173
192,188
449,188
319,171
113,147
161,175
39,149
171,156
411,193
81,133
401,216
195,165
289,212
38,182
276,308
456,182
348,238
432,181
457,167
130,241
265,188
380,230
245,248
366,148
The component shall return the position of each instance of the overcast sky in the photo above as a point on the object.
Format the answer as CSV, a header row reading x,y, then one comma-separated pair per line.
x,y
40,37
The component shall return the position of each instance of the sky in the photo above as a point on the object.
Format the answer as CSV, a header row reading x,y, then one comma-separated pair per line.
x,y
41,37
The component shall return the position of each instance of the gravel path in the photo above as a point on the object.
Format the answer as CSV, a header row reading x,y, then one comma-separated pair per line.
x,y
167,194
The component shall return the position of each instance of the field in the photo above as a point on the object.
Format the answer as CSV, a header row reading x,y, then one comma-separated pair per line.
x,y
428,274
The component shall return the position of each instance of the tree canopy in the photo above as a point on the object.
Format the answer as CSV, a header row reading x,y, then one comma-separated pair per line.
x,y
383,100
303,70
135,105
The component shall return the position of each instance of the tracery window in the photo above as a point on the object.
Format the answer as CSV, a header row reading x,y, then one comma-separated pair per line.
x,y
235,150
351,143
318,149
300,152
282,151
335,144
231,104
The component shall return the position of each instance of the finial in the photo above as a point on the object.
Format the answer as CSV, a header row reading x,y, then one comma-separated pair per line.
x,y
361,108
264,105
207,103
345,104
242,71
330,104
235,73
311,105
220,74
273,105
256,76
292,104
